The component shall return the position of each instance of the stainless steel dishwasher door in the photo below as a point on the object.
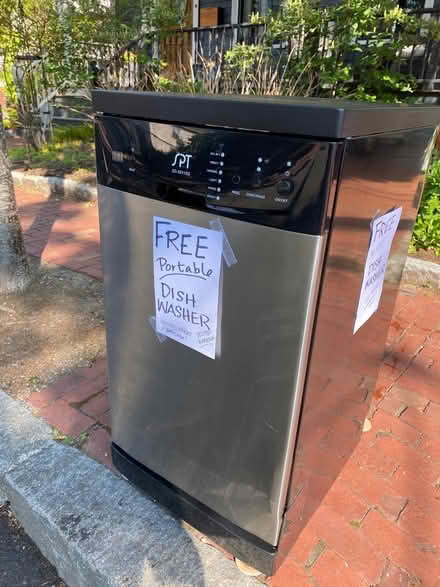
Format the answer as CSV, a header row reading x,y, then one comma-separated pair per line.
x,y
221,430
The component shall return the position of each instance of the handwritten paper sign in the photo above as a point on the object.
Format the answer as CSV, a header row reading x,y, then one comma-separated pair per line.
x,y
383,229
187,263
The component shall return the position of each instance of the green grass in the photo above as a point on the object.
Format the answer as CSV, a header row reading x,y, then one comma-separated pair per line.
x,y
426,233
70,149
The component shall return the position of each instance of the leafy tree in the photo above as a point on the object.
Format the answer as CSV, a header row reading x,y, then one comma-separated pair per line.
x,y
54,46
14,267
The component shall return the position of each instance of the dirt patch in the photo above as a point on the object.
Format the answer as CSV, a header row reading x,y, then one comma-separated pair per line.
x,y
54,327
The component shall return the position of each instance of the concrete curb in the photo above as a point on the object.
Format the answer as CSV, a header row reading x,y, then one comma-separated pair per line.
x,y
422,273
95,527
56,186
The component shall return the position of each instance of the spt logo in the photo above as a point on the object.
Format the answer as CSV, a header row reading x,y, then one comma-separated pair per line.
x,y
182,161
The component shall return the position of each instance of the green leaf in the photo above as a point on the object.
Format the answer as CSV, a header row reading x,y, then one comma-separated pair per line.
x,y
426,233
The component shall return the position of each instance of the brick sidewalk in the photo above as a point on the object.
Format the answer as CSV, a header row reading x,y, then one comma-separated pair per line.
x,y
61,232
380,522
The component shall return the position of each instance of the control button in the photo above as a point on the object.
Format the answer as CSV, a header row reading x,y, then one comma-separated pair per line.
x,y
258,180
284,187
236,179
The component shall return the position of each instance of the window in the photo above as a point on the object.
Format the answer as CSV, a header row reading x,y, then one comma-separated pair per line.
x,y
261,6
418,4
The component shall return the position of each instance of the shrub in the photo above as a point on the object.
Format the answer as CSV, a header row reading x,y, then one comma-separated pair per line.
x,y
69,149
349,50
426,233
83,133
356,49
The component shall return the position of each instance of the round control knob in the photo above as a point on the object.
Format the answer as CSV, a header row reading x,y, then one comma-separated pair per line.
x,y
236,179
284,187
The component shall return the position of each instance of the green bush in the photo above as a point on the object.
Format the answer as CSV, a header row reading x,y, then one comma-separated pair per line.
x,y
70,149
426,233
83,132
347,50
353,49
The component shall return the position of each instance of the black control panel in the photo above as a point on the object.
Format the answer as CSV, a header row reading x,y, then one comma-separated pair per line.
x,y
270,179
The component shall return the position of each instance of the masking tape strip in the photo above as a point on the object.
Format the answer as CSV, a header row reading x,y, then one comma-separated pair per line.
x,y
160,337
228,253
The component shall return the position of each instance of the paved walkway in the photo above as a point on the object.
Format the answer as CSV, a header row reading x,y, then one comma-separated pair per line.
x,y
380,522
61,232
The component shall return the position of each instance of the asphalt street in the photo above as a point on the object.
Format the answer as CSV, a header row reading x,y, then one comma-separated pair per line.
x,y
21,563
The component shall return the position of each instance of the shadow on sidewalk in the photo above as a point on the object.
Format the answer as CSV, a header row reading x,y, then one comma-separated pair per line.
x,y
45,219
74,243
